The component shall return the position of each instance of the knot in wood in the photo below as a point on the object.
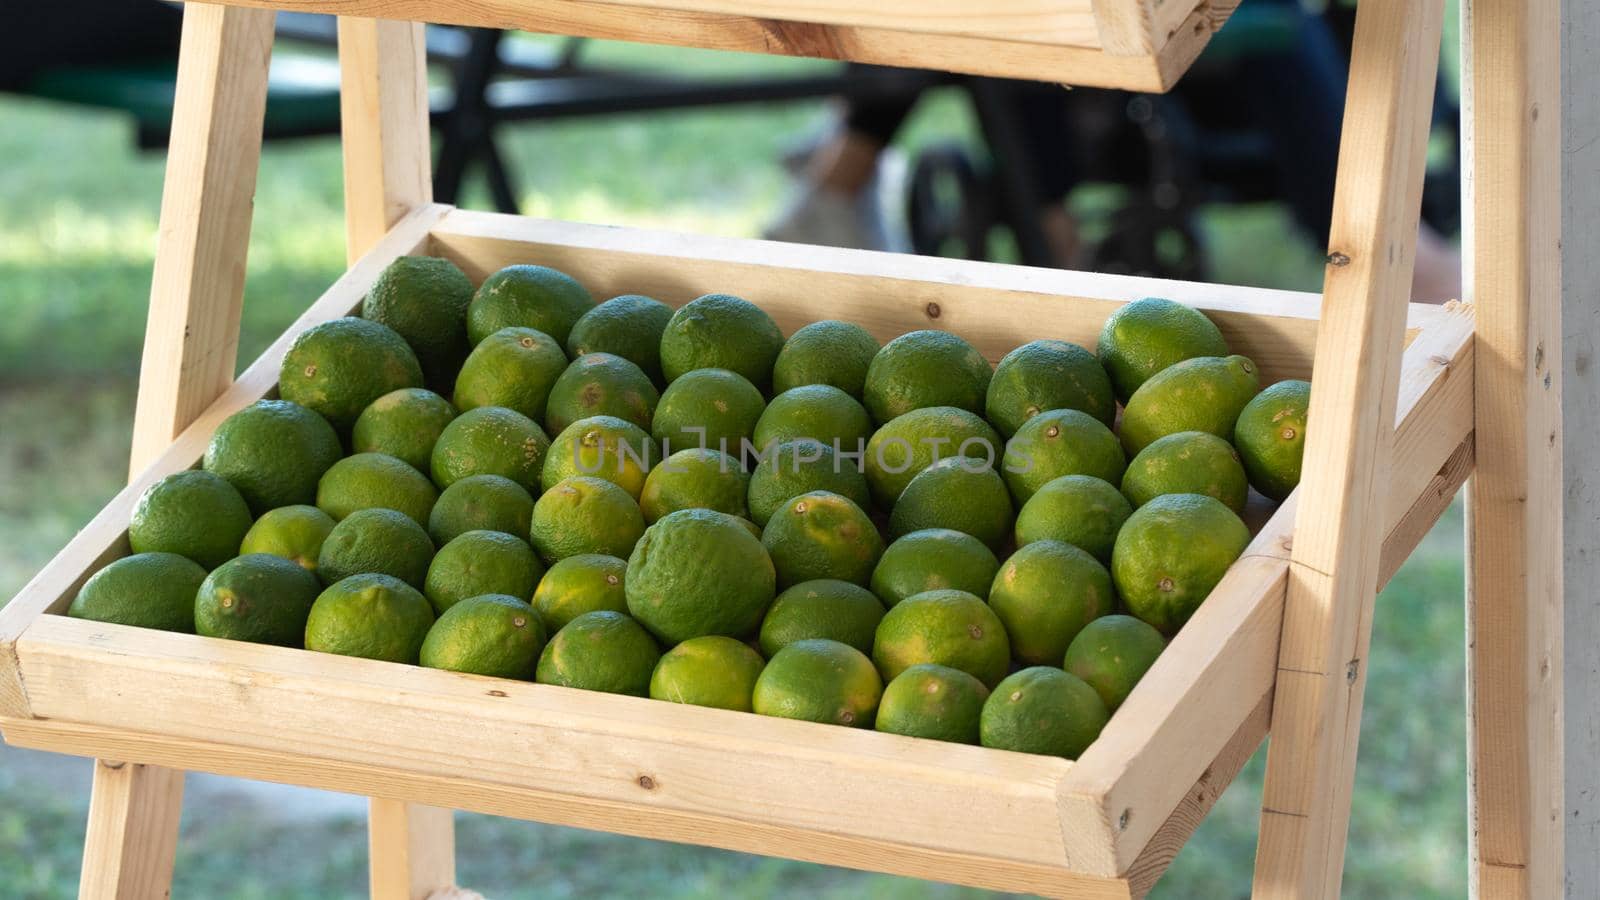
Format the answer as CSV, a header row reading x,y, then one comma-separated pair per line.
x,y
1338,259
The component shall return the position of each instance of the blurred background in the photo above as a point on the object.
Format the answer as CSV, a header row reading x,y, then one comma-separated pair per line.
x,y
1202,184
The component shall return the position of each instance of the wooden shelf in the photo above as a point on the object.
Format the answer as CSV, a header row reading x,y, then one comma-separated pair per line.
x,y
1135,45
1104,826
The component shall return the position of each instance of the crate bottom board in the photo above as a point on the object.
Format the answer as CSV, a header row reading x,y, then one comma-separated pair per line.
x,y
634,821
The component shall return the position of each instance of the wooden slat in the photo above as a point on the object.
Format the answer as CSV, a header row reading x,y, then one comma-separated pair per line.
x,y
104,538
132,836
383,108
889,294
411,850
1334,574
197,290
1511,110
906,42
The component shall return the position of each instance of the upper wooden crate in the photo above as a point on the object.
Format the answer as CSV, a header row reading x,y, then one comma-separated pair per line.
x,y
1136,45
1103,826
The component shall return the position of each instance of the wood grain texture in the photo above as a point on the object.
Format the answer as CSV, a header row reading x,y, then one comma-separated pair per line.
x,y
383,109
197,291
1512,232
411,850
1580,440
132,837
1333,577
1069,54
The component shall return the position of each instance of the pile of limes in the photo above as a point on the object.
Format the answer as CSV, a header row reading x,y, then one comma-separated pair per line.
x,y
513,481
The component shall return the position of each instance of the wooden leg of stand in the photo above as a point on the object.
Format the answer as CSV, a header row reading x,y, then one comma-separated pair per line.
x,y
411,850
133,832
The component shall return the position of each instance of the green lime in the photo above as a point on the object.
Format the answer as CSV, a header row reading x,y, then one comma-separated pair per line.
x,y
959,493
708,408
820,534
1271,437
925,369
193,513
260,598
580,584
819,412
1143,337
698,572
1042,710
1056,443
1044,375
600,651
828,352
629,326
149,590
720,331
376,540
1171,553
1202,394
819,681
490,440
295,533
527,297
934,702
424,299
1111,654
695,479
1081,510
585,515
516,368
601,384
602,447
492,635
371,616
404,424
338,368
905,446
947,627
481,562
273,452
800,467
933,559
375,481
824,609
1045,594
713,671
1189,462
480,503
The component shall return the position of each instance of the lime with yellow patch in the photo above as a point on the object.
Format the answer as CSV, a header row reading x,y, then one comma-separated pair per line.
x,y
1045,594
1189,462
828,352
338,368
1271,436
825,609
585,515
1146,336
1043,375
800,467
375,481
588,582
819,681
516,368
713,671
490,440
601,384
945,627
1111,654
922,369
695,479
259,597
933,559
404,424
600,651
1042,710
527,296
146,590
714,409
481,562
371,616
1202,394
295,533
1170,554
493,634
603,447
820,534
934,702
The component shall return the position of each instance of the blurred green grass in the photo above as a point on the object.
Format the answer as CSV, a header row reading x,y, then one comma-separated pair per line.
x,y
75,257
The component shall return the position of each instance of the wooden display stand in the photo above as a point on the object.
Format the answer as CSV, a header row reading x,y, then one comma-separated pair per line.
x,y
1409,401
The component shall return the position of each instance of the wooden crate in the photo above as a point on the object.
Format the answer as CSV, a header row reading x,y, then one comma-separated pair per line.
x,y
1135,45
1104,826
